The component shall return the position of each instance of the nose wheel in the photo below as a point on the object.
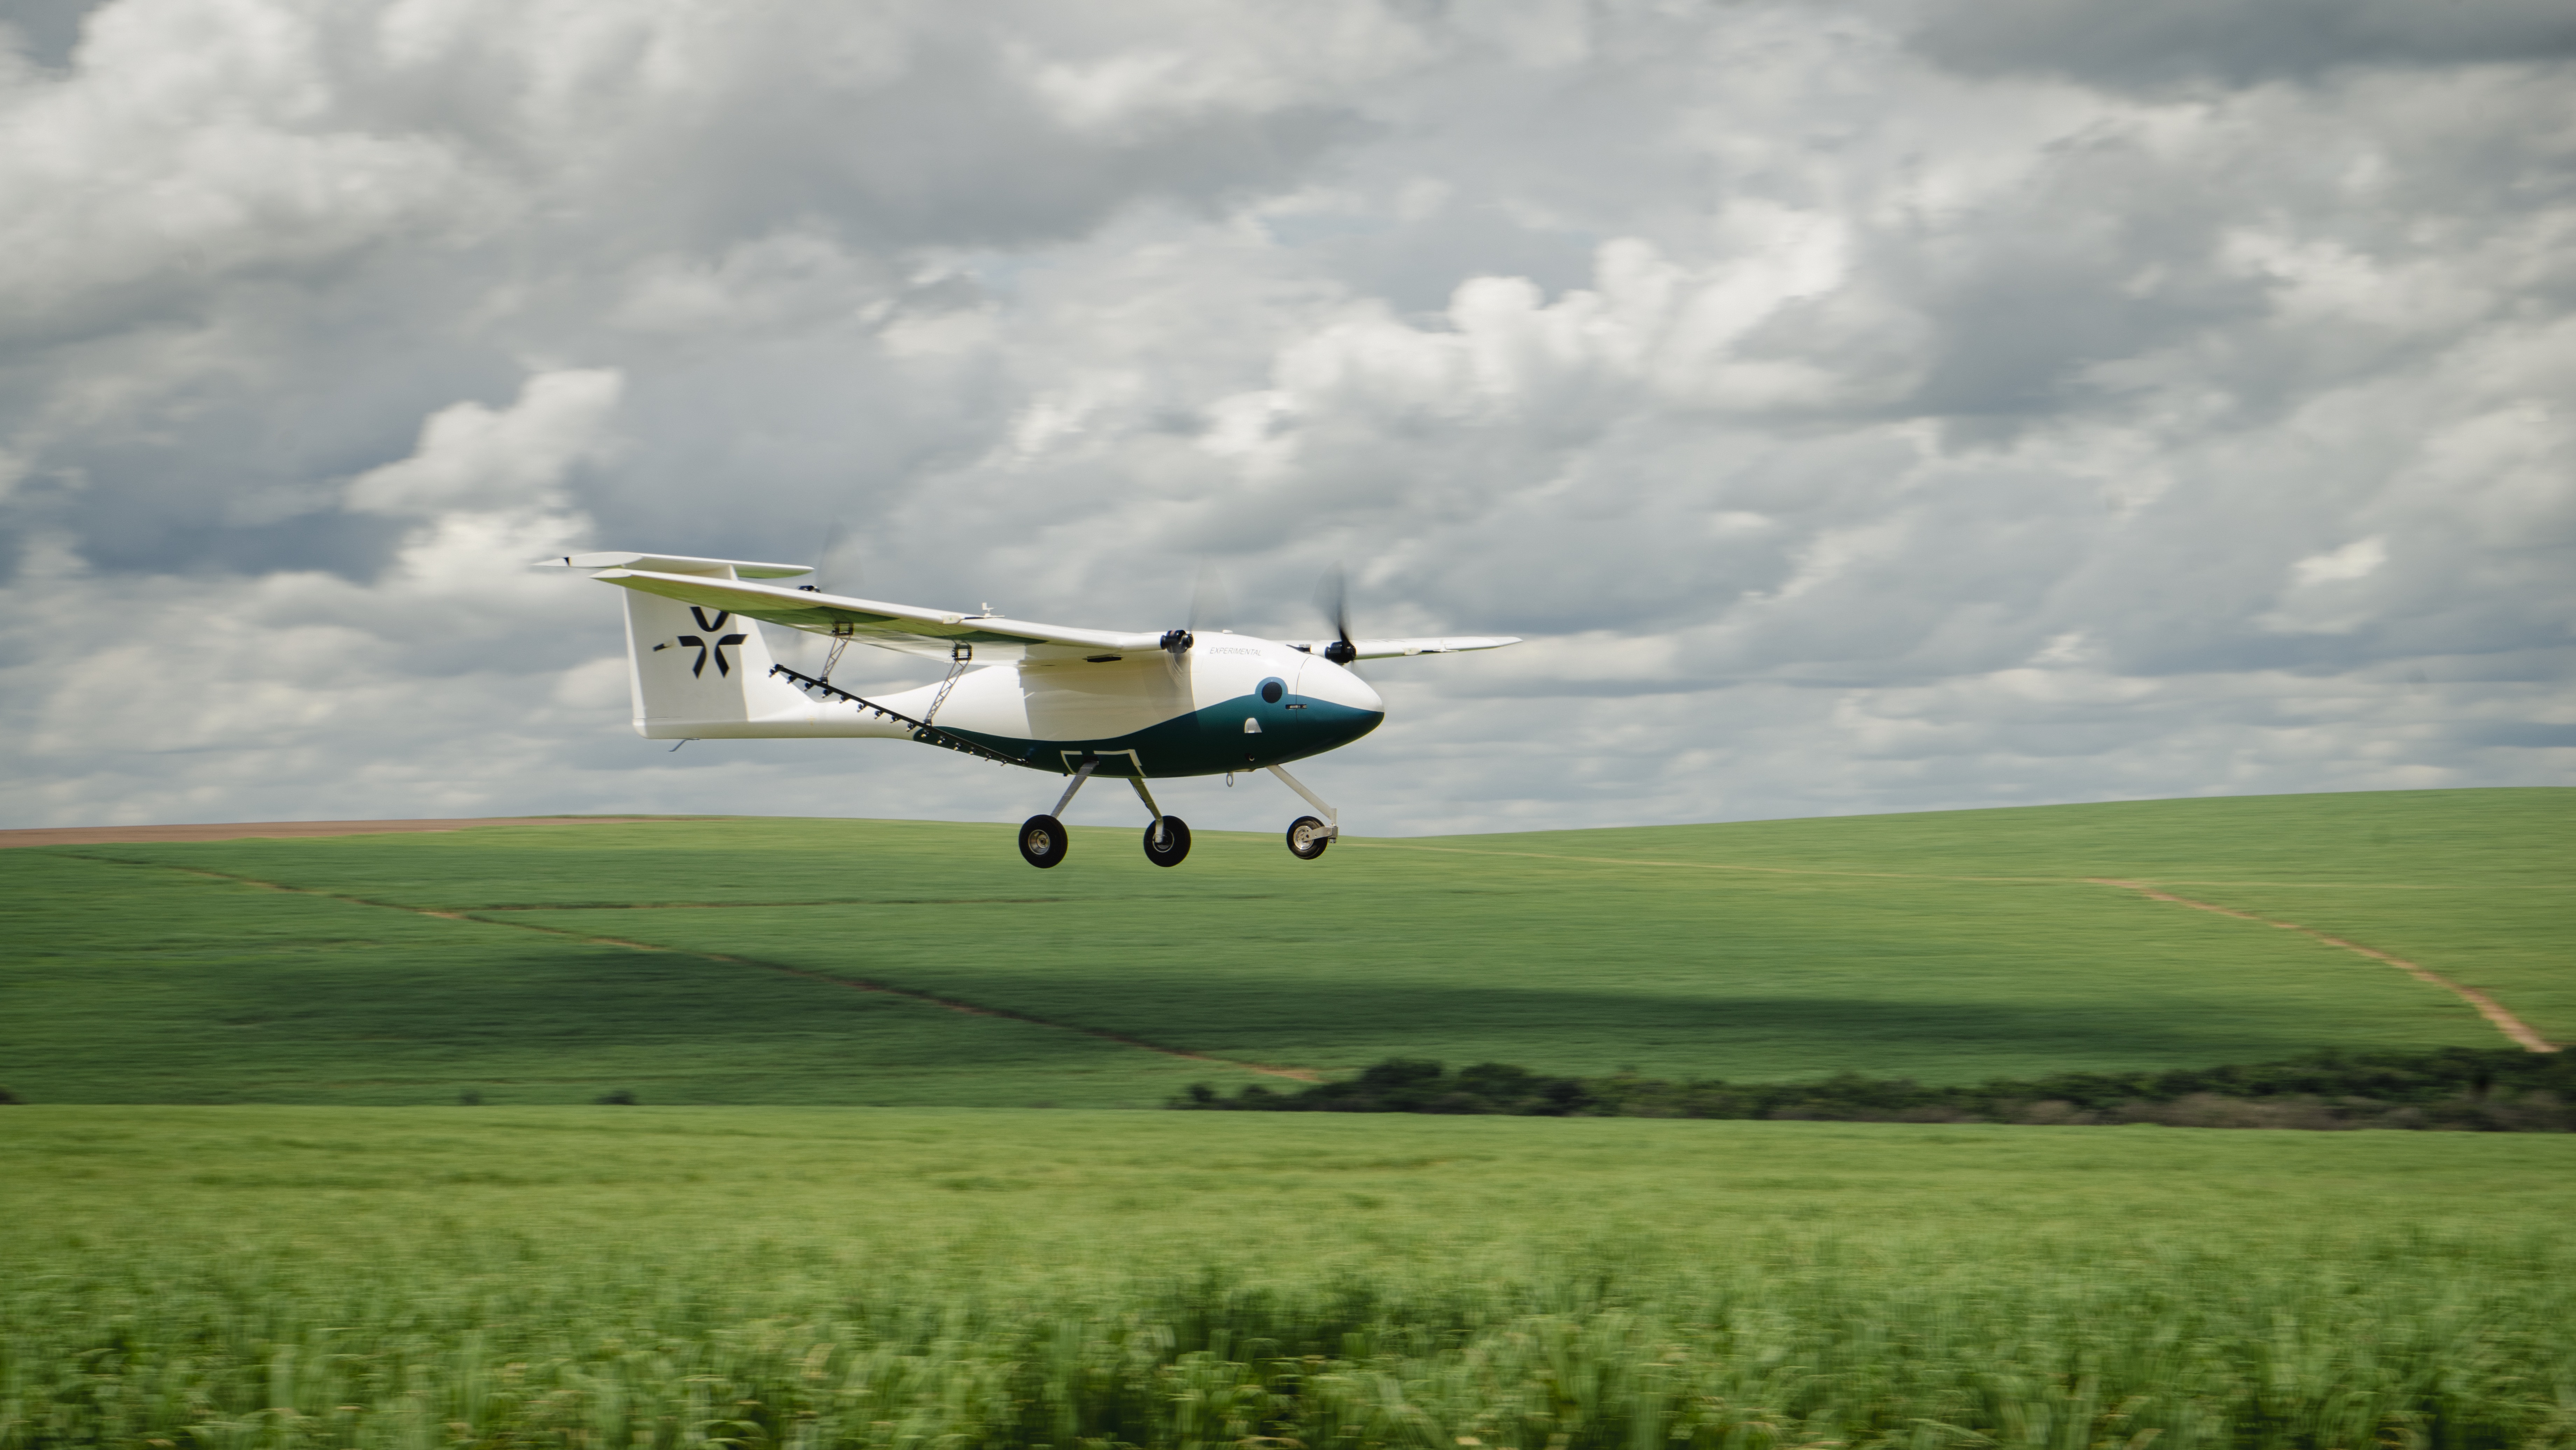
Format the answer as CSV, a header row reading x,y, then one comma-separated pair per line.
x,y
1307,838
1309,835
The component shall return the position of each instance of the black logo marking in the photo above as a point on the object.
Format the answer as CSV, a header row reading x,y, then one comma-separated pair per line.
x,y
723,667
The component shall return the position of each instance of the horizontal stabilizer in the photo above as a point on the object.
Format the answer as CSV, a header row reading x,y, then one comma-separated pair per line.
x,y
678,564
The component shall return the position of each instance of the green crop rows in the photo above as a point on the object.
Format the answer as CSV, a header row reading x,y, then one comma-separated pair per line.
x,y
1945,947
265,1278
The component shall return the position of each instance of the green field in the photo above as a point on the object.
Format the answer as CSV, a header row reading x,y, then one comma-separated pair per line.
x,y
1947,947
786,1274
260,1278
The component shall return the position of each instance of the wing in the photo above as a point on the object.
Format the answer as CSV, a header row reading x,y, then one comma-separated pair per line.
x,y
904,627
1387,649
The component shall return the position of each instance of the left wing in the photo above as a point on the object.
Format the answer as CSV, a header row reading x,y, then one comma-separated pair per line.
x,y
904,627
1387,649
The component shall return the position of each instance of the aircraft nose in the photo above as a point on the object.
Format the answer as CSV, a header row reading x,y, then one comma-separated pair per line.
x,y
1331,683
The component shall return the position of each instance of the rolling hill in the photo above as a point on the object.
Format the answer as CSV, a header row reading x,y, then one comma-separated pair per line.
x,y
825,961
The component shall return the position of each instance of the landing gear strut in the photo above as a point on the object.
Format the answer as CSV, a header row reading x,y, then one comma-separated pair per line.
x,y
1307,836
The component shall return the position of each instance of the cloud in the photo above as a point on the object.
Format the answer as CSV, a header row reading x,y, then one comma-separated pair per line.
x,y
2357,560
472,458
1859,406
2231,43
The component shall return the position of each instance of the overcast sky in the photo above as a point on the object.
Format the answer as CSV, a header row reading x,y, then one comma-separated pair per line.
x,y
1859,407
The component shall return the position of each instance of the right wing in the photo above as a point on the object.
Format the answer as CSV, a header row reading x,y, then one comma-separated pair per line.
x,y
1387,649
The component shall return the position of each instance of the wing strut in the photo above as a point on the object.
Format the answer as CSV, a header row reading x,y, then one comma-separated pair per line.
x,y
957,667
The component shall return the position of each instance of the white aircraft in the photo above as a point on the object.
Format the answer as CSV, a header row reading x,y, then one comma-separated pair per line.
x,y
1077,702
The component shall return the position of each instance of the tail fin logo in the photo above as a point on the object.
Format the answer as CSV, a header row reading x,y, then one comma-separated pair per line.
x,y
723,667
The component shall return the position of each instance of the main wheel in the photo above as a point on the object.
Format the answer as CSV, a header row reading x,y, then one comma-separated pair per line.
x,y
1308,837
1042,841
1176,842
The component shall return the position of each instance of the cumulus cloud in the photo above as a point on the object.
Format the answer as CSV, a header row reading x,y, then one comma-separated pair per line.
x,y
1860,406
472,458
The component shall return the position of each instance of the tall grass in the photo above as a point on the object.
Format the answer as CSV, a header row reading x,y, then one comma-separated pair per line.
x,y
642,1279
1896,1339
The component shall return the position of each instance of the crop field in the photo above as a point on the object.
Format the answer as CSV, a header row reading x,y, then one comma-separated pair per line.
x,y
258,1278
221,1235
870,962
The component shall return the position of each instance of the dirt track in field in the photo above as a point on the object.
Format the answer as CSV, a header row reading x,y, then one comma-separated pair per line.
x,y
2488,1007
287,830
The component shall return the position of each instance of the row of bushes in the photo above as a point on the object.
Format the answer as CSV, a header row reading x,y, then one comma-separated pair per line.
x,y
2455,1088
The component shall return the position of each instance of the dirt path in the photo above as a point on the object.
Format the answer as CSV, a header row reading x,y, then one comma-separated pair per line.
x,y
283,830
2488,1007
856,984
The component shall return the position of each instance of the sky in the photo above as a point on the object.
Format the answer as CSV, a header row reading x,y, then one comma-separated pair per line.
x,y
1857,407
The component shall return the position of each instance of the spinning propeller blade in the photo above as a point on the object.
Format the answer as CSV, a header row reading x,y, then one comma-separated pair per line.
x,y
1208,609
1333,596
823,563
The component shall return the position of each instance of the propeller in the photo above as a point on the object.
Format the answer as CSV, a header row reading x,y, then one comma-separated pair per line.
x,y
1333,596
1208,608
823,561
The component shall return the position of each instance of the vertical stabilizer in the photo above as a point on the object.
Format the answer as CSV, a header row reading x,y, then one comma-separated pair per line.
x,y
693,671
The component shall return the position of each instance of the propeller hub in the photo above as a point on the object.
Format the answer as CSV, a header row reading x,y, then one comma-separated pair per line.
x,y
1178,641
1341,651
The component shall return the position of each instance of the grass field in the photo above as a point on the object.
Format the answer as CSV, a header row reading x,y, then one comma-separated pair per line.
x,y
1948,947
334,1276
260,1278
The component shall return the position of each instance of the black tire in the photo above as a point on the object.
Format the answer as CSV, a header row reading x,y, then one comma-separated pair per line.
x,y
1042,841
1307,838
1176,842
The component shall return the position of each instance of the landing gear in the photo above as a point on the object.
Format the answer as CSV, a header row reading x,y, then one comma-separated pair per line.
x,y
1173,845
1042,841
1042,838
1307,836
